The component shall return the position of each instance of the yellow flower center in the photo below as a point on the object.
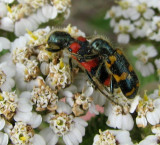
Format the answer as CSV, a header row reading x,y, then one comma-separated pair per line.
x,y
1,98
142,8
124,4
60,122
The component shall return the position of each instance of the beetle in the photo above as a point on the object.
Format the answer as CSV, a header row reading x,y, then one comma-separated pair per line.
x,y
80,51
99,60
118,65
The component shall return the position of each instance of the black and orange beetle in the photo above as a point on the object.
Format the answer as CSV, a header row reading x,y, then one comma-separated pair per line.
x,y
104,66
119,67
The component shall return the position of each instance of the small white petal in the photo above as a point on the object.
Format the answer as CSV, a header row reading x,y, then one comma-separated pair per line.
x,y
67,141
38,140
44,68
35,120
3,10
119,121
152,117
21,27
141,121
6,87
123,38
11,82
134,104
112,120
49,11
3,138
21,116
6,44
67,94
73,138
41,17
81,129
24,105
7,24
127,123
25,94
78,134
93,109
63,107
149,14
80,121
149,140
2,123
49,136
88,92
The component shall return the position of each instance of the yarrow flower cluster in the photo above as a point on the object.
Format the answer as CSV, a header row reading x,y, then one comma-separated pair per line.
x,y
136,19
144,53
19,16
40,78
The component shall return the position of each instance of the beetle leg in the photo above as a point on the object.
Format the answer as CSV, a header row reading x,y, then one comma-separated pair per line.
x,y
52,50
113,84
109,96
71,68
90,56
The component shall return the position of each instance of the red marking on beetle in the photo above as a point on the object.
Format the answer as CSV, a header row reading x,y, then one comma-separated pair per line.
x,y
75,47
90,64
107,81
81,38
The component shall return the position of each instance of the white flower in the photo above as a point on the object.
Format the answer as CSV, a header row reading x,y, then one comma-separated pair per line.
x,y
124,28
157,63
24,111
143,53
20,81
118,118
111,137
49,11
7,1
4,138
114,12
145,69
74,31
80,101
8,104
28,14
154,4
141,28
7,24
4,43
150,140
43,97
3,10
156,129
99,98
143,9
22,25
64,124
148,111
7,72
61,5
22,133
59,75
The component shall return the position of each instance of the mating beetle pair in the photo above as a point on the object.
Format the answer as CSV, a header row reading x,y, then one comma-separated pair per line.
x,y
105,66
